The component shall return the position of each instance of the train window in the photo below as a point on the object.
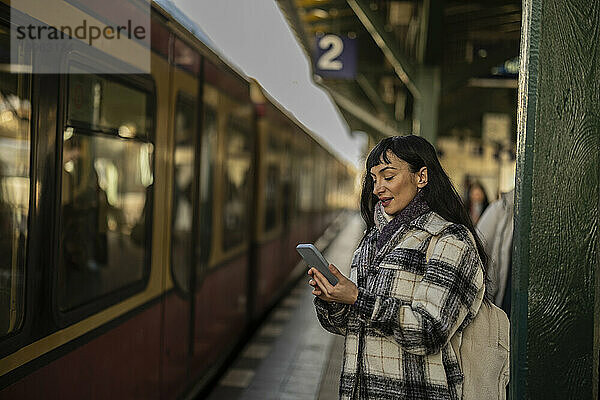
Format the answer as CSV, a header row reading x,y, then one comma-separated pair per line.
x,y
272,197
294,193
15,144
273,144
306,181
207,164
287,184
106,202
237,182
183,184
272,183
319,177
101,104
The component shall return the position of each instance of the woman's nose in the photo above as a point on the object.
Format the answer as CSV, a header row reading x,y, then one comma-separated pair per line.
x,y
377,188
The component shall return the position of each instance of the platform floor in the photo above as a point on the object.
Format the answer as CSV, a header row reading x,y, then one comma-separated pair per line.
x,y
291,356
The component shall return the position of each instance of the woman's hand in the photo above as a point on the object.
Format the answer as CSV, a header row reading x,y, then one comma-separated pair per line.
x,y
345,291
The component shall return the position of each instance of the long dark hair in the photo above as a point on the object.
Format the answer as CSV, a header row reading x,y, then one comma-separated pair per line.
x,y
439,193
484,203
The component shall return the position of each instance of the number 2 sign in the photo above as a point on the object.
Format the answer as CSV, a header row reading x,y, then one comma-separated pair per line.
x,y
335,57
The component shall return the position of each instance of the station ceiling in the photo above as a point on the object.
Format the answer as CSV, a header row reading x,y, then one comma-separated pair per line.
x,y
411,54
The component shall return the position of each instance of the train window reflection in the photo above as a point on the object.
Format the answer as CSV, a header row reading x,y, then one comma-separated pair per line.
x,y
105,216
305,189
102,104
237,185
272,197
208,148
272,183
15,111
182,212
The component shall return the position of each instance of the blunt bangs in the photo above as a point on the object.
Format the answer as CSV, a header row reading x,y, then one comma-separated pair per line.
x,y
379,153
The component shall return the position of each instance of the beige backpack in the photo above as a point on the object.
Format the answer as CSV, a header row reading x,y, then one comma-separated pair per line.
x,y
482,349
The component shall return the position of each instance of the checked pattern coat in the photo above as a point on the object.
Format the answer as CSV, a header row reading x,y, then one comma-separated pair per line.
x,y
398,331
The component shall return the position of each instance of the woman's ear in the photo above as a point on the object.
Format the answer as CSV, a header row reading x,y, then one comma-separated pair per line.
x,y
422,178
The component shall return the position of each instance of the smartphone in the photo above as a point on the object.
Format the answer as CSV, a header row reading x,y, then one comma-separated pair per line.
x,y
314,258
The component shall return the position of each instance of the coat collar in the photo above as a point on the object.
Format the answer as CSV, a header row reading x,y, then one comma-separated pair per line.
x,y
389,230
392,232
415,208
431,222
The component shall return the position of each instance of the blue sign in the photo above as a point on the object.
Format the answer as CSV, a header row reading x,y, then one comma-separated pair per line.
x,y
510,68
335,57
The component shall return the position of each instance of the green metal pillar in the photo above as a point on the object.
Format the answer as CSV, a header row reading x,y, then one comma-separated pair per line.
x,y
556,278
426,106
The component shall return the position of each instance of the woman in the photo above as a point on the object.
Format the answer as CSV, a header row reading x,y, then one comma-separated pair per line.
x,y
405,301
476,202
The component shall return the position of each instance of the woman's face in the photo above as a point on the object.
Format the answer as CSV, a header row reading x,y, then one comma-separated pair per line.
x,y
395,185
476,195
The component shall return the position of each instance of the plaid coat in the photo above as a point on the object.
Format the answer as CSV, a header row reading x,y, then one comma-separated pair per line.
x,y
398,331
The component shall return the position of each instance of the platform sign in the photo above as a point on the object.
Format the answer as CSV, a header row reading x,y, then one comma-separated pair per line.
x,y
496,128
335,56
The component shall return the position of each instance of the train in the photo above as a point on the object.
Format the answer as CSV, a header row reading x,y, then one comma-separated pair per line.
x,y
148,220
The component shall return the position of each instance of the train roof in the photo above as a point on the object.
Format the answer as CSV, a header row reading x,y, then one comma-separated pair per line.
x,y
185,22
169,8
292,117
196,34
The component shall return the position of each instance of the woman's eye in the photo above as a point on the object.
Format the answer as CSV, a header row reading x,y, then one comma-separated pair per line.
x,y
388,178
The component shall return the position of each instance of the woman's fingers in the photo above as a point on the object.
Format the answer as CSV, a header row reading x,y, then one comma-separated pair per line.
x,y
312,282
327,288
319,279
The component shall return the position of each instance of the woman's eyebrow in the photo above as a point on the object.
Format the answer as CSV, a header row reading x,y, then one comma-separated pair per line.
x,y
383,169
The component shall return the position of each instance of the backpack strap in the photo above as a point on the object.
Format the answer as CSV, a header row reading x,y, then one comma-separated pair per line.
x,y
430,247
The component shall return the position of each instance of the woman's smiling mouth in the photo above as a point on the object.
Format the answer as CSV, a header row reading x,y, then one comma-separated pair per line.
x,y
385,201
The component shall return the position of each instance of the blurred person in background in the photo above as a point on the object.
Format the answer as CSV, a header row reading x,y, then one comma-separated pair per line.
x,y
476,201
495,228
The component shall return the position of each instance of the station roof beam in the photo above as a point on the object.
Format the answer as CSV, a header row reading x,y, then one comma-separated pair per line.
x,y
422,64
387,92
373,100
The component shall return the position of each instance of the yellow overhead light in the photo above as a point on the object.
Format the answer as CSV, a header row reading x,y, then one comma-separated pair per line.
x,y
315,14
6,116
127,131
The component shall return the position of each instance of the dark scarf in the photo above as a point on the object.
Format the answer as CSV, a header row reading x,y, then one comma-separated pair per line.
x,y
417,207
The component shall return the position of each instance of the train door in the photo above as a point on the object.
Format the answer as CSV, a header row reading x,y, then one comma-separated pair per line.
x,y
183,133
289,187
225,217
270,271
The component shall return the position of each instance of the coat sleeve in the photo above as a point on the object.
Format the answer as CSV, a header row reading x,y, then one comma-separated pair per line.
x,y
448,296
487,228
333,317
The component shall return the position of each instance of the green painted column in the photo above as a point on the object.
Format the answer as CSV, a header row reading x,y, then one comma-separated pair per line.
x,y
556,276
426,106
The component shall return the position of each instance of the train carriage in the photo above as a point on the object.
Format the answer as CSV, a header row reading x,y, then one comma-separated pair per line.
x,y
148,220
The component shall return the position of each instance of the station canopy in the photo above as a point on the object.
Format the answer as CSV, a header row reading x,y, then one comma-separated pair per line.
x,y
400,67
